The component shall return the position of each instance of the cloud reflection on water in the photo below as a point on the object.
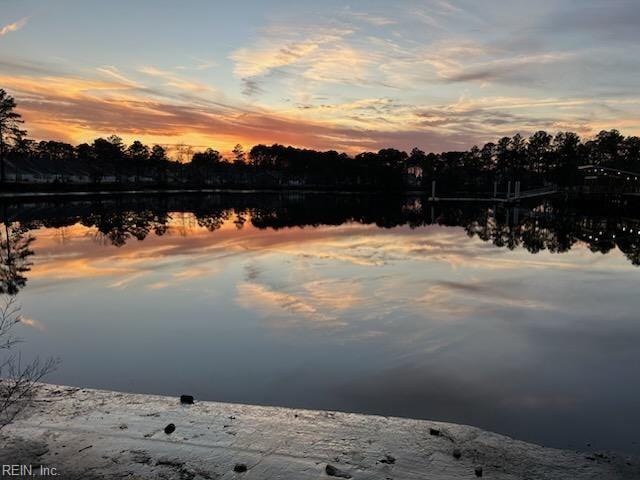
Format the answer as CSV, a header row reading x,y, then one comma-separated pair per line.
x,y
425,322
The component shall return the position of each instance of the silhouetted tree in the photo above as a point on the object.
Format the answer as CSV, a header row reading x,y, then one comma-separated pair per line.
x,y
488,156
58,152
204,164
159,163
539,152
631,153
566,147
503,158
85,153
138,154
158,154
518,157
23,148
10,122
608,148
109,154
206,160
238,154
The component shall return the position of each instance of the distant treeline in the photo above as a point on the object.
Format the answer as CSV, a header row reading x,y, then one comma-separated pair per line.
x,y
542,158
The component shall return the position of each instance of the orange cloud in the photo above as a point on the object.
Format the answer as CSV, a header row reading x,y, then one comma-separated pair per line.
x,y
13,27
79,110
33,323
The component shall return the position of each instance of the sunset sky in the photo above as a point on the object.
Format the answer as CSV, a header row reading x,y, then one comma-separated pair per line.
x,y
349,76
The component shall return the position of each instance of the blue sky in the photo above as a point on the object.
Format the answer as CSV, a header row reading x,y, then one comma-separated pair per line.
x,y
346,75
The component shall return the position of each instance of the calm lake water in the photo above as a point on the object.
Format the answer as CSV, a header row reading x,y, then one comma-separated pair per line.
x,y
522,321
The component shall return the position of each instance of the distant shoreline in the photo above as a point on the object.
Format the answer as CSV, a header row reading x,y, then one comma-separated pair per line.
x,y
238,191
27,193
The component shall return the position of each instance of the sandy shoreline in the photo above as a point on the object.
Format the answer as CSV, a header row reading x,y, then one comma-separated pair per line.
x,y
92,434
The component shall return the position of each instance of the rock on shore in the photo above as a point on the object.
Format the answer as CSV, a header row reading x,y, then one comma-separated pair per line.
x,y
91,434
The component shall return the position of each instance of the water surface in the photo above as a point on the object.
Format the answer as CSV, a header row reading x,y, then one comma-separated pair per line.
x,y
521,321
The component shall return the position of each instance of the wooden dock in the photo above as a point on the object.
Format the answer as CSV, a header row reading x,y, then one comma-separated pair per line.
x,y
509,197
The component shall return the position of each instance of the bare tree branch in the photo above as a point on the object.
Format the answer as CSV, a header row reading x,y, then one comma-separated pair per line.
x,y
9,316
18,382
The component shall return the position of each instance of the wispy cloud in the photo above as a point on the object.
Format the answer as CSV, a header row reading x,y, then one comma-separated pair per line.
x,y
172,80
367,17
510,69
204,64
13,27
154,72
274,53
114,72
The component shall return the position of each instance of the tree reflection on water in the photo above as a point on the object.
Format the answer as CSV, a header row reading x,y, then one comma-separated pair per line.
x,y
553,225
15,250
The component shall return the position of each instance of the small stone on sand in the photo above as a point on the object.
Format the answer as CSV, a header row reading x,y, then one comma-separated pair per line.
x,y
334,472
388,459
240,468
